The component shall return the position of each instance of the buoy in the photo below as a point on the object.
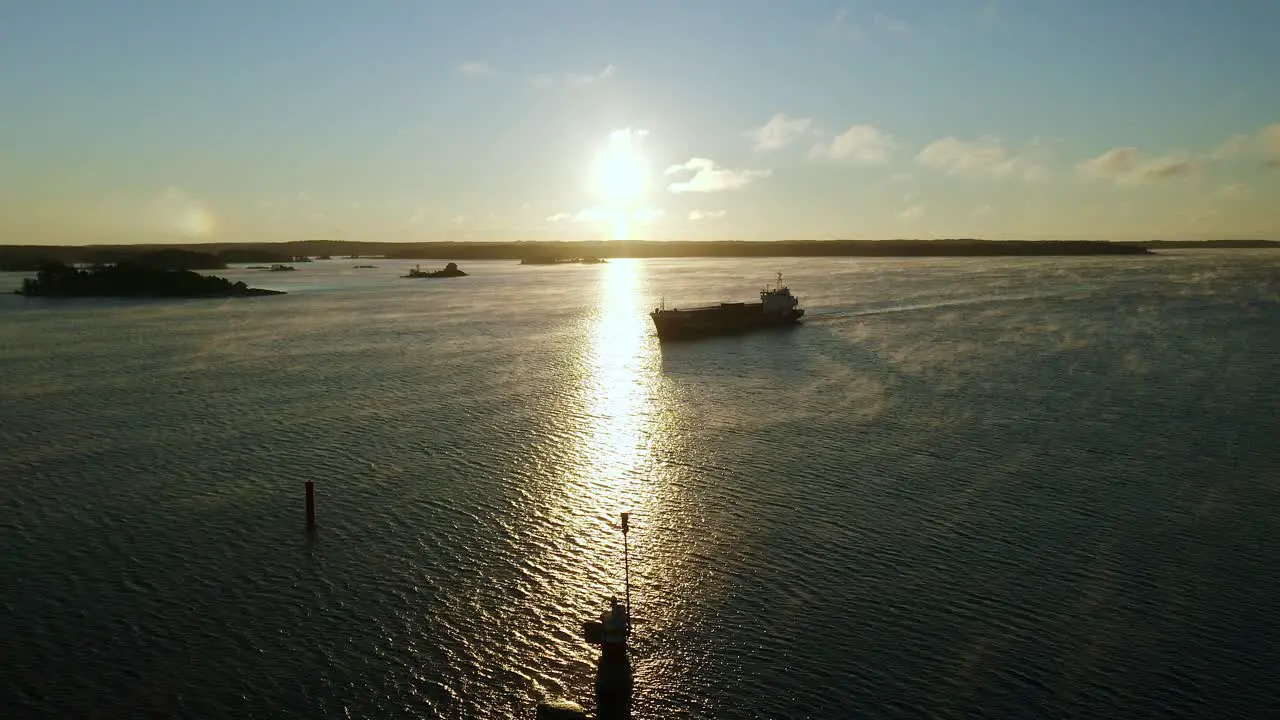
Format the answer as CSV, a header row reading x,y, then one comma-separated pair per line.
x,y
311,505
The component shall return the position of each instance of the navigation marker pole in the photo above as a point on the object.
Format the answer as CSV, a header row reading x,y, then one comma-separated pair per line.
x,y
626,564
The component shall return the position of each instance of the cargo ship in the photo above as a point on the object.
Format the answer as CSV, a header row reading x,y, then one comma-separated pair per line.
x,y
777,308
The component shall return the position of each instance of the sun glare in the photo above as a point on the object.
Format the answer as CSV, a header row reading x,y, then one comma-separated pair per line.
x,y
621,172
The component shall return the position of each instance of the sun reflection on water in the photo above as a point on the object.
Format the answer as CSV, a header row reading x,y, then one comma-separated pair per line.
x,y
620,389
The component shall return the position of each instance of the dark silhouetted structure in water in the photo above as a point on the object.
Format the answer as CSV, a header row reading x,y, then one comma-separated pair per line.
x,y
129,280
614,680
450,271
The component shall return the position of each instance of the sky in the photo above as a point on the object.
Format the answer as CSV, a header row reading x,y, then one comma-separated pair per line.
x,y
127,121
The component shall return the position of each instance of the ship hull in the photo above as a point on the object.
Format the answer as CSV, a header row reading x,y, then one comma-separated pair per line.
x,y
730,319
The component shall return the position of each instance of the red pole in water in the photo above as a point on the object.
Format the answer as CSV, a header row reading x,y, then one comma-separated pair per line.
x,y
311,504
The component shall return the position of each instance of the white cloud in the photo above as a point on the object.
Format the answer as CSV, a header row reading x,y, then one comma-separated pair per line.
x,y
983,211
1126,165
984,156
911,212
607,215
706,214
585,79
628,136
573,80
477,68
709,177
860,143
779,132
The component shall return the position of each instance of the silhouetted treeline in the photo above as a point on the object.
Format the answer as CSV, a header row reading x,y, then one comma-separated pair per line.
x,y
29,258
130,280
211,256
1221,244
781,248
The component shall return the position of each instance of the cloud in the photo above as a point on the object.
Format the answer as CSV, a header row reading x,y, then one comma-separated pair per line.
x,y
628,136
890,23
984,156
983,211
706,214
607,215
709,177
911,212
574,80
780,132
1270,137
858,144
1232,147
841,26
1168,167
1264,144
1126,165
1234,191
477,68
585,79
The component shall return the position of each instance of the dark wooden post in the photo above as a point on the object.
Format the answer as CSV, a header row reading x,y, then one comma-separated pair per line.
x,y
311,505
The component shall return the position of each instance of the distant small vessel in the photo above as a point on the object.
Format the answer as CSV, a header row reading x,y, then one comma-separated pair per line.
x,y
777,308
449,271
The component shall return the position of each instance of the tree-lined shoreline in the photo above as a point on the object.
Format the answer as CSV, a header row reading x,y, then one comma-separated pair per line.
x,y
213,256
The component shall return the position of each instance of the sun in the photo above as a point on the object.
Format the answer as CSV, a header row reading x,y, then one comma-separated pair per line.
x,y
621,174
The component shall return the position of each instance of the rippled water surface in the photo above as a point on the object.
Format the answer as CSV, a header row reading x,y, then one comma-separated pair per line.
x,y
1001,487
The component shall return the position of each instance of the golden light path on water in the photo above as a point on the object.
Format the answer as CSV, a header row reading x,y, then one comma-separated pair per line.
x,y
620,385
624,402
606,467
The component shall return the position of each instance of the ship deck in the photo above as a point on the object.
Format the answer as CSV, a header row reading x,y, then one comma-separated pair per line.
x,y
717,306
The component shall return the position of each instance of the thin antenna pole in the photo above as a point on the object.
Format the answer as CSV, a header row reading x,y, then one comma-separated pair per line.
x,y
626,564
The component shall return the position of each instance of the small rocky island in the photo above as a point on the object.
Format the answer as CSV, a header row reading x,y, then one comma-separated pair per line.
x,y
449,271
130,280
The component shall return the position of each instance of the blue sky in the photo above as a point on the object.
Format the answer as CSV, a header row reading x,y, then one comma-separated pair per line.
x,y
131,121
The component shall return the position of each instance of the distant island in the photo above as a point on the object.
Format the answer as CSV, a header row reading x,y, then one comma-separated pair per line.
x,y
212,256
129,280
546,260
30,258
450,271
